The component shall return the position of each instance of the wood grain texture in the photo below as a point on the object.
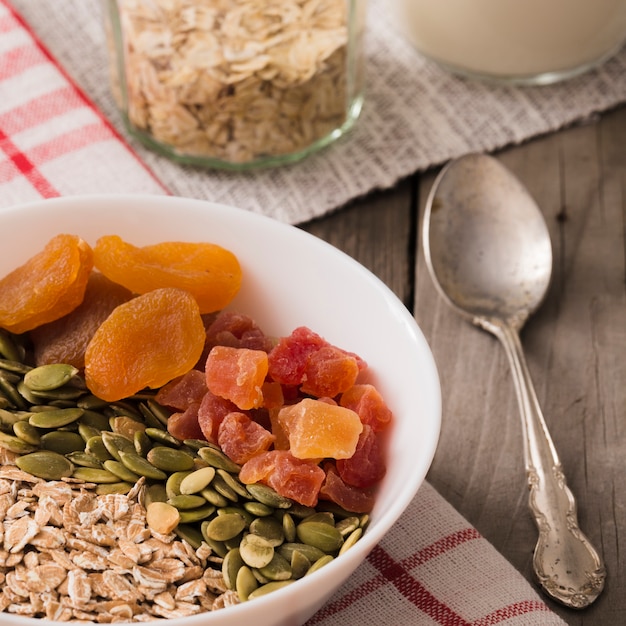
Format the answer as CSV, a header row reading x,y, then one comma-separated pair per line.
x,y
575,347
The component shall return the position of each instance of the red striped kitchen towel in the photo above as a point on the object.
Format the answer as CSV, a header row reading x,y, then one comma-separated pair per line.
x,y
433,568
53,140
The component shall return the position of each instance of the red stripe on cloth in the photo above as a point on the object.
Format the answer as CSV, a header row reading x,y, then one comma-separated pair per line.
x,y
17,60
26,167
513,610
39,110
69,142
86,101
413,590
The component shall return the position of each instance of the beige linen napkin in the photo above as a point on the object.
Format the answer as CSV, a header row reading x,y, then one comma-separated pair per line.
x,y
415,116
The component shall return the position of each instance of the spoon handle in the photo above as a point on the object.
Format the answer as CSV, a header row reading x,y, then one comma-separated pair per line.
x,y
566,564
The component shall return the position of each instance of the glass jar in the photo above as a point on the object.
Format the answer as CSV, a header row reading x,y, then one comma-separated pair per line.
x,y
516,41
236,83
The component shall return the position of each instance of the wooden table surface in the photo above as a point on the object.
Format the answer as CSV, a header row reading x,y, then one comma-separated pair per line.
x,y
575,346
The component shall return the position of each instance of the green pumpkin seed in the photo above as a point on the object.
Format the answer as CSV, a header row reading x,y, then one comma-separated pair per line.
x,y
195,444
256,551
155,493
26,393
119,408
259,577
321,535
170,459
95,446
172,486
15,444
225,527
149,418
9,347
268,496
120,470
300,565
351,539
269,528
62,442
269,588
230,567
116,443
216,499
94,419
87,432
289,527
327,558
310,552
217,546
84,459
196,481
186,502
322,517
92,475
26,432
278,568
66,393
190,534
103,489
258,509
142,443
216,458
89,402
220,485
45,464
347,525
162,436
10,392
141,466
13,366
233,483
245,583
300,510
10,418
55,418
226,510
47,377
196,515
365,520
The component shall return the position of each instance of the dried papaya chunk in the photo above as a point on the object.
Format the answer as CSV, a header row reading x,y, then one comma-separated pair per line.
x,y
209,272
65,340
48,286
145,342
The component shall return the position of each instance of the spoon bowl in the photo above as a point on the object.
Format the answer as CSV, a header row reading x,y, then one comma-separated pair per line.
x,y
488,251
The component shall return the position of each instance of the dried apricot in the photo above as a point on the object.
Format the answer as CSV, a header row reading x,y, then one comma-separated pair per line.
x,y
237,374
65,340
48,286
145,342
209,272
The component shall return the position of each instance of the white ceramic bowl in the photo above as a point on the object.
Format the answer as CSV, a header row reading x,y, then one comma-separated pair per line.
x,y
290,279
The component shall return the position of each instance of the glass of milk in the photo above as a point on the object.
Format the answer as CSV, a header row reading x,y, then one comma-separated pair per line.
x,y
516,41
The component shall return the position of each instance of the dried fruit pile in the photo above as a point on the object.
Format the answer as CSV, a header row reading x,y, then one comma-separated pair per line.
x,y
119,367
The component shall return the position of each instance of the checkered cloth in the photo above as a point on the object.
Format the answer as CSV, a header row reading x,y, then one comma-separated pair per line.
x,y
432,567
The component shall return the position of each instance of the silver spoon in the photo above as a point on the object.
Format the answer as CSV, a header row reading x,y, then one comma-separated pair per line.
x,y
488,251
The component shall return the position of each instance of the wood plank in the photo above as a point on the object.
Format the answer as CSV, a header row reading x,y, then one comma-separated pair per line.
x,y
574,344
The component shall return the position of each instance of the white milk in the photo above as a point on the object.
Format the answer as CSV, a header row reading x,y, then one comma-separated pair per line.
x,y
531,40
